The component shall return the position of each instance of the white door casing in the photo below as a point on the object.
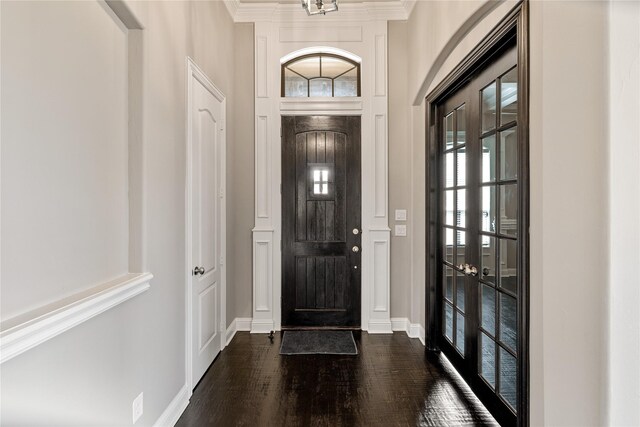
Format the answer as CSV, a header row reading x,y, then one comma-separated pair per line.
x,y
206,323
278,40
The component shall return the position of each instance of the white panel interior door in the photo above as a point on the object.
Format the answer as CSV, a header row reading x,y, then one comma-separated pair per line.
x,y
206,234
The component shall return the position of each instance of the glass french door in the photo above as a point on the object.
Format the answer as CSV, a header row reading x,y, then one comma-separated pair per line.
x,y
479,230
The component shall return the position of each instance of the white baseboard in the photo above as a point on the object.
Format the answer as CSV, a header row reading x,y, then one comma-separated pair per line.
x,y
238,324
413,330
380,327
400,324
231,332
176,407
243,323
260,326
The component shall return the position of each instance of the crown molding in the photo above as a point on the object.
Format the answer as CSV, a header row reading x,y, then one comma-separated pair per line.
x,y
394,10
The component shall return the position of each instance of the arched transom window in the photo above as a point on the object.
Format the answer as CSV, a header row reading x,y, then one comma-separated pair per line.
x,y
320,74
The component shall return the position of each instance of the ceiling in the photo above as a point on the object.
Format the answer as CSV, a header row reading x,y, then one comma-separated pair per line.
x,y
298,1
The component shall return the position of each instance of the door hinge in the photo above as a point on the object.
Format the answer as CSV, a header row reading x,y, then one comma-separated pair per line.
x,y
280,188
280,131
280,245
221,192
221,260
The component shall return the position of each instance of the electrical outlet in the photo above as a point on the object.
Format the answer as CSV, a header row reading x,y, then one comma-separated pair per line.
x,y
138,407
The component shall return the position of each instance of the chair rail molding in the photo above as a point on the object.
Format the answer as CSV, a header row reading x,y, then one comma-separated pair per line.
x,y
369,42
33,328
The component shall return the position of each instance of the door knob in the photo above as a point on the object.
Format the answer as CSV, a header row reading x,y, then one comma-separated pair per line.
x,y
467,269
355,249
198,270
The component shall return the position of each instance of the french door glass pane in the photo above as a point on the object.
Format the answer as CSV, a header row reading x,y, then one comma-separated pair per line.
x,y
509,209
460,247
460,290
489,159
488,214
508,326
488,359
509,154
488,259
461,210
447,247
509,96
461,125
462,167
448,131
448,170
488,309
489,107
448,203
448,321
448,283
460,332
508,377
509,265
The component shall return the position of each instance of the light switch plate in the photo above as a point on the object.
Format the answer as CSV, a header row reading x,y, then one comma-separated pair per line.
x,y
401,230
401,214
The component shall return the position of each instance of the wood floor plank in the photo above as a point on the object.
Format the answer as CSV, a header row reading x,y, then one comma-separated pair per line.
x,y
390,383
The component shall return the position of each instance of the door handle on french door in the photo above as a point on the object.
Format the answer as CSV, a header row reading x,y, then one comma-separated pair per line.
x,y
198,270
469,270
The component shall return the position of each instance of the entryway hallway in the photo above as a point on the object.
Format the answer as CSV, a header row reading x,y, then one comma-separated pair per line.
x,y
389,383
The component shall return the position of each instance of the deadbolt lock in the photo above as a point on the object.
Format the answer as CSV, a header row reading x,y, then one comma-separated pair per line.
x,y
356,231
355,249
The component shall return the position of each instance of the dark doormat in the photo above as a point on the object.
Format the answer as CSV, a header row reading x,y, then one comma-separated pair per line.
x,y
318,342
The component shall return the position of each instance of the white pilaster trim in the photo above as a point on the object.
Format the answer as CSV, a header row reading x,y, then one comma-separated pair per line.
x,y
26,331
174,410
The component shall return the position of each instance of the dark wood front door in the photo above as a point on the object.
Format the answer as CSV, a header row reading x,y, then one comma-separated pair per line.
x,y
321,230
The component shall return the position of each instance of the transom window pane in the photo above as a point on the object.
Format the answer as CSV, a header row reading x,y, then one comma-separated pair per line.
x,y
320,87
323,75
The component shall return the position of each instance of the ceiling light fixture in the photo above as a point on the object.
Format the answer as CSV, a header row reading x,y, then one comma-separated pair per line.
x,y
317,7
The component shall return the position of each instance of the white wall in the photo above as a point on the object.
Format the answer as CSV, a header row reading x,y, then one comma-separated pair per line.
x,y
91,374
569,182
64,151
624,213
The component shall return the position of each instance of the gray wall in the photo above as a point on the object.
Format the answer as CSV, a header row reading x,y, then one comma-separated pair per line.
x,y
93,372
240,209
400,167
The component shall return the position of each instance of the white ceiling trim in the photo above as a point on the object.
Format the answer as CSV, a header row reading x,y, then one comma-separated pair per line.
x,y
394,10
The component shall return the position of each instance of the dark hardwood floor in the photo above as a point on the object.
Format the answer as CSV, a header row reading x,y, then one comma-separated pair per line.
x,y
389,383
